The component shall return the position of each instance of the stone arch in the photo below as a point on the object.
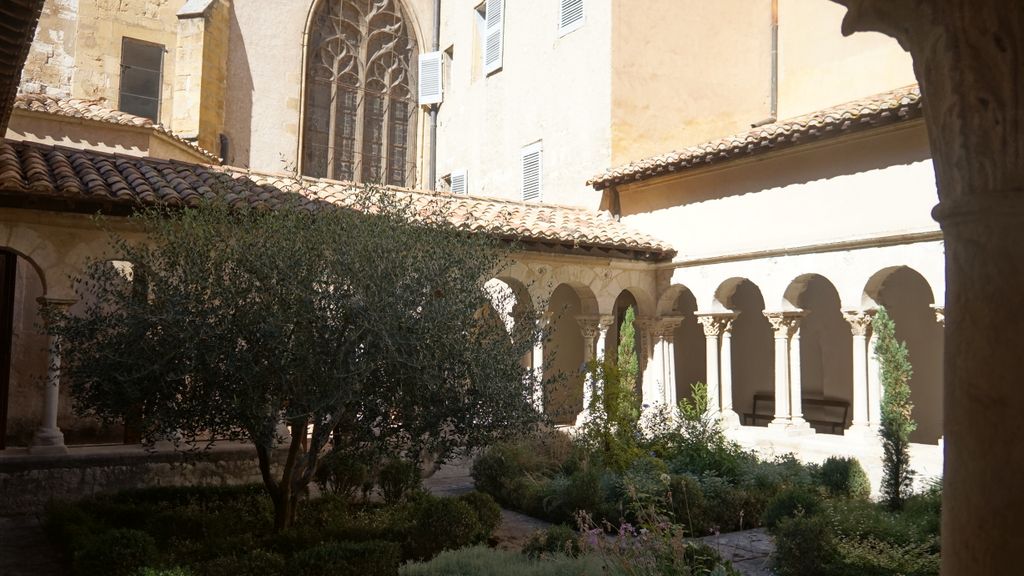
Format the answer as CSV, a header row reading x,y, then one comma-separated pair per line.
x,y
564,351
23,360
826,362
687,338
752,362
909,297
871,297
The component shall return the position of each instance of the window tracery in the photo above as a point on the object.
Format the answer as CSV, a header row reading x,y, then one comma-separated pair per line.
x,y
360,116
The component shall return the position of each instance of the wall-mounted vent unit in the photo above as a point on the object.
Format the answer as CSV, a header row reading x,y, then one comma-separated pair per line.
x,y
458,182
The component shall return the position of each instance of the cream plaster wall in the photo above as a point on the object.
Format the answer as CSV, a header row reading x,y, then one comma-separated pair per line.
x,y
856,188
265,74
686,71
819,68
98,136
550,88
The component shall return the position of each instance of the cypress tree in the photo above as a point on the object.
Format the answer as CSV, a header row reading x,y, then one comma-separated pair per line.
x,y
897,421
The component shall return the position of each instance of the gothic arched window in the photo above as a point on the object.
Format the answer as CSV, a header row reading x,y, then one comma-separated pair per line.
x,y
360,112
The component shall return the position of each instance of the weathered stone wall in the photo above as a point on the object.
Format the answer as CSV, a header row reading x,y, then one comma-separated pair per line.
x,y
28,484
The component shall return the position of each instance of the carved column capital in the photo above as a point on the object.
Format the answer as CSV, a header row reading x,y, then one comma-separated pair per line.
x,y
940,314
784,323
859,321
589,326
712,324
665,327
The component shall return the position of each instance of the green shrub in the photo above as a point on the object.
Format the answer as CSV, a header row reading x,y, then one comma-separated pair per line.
x,y
872,557
687,504
177,571
844,477
488,513
482,561
119,552
254,563
370,558
804,546
342,474
789,503
558,539
398,478
441,524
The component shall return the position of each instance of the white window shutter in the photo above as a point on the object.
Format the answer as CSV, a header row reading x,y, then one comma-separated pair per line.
x,y
459,183
570,16
532,173
494,35
431,68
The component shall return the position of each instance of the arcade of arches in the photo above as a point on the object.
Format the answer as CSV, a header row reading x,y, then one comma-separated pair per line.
x,y
785,352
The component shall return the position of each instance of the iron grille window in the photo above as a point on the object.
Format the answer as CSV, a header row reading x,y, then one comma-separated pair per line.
x,y
141,64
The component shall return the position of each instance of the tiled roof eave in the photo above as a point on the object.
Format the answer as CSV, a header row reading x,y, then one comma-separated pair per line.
x,y
65,179
897,106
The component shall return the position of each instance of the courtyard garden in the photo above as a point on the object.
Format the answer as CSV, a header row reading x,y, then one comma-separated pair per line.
x,y
271,327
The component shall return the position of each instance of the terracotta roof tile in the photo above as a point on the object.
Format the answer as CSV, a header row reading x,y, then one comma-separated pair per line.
x,y
95,111
886,108
34,172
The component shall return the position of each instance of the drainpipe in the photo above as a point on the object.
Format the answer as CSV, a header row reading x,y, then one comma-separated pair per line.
x,y
432,168
773,115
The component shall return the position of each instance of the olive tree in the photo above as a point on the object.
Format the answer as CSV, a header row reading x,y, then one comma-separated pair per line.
x,y
365,326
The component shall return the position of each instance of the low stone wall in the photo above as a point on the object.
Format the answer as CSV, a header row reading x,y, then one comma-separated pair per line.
x,y
29,482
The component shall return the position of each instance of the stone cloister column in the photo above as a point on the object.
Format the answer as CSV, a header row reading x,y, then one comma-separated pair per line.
x,y
729,416
781,323
968,56
797,421
860,322
595,331
712,329
537,363
665,354
874,382
48,439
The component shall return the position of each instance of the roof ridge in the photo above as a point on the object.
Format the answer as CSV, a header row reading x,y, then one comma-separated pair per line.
x,y
870,111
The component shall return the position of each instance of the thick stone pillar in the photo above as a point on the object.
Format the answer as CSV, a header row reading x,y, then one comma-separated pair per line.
x,y
48,439
859,322
730,419
968,56
712,328
780,325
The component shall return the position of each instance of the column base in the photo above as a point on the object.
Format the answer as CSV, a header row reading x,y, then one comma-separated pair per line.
x,y
861,432
730,419
780,424
48,441
582,418
800,427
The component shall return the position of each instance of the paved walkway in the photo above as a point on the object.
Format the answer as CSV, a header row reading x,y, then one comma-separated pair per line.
x,y
749,551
